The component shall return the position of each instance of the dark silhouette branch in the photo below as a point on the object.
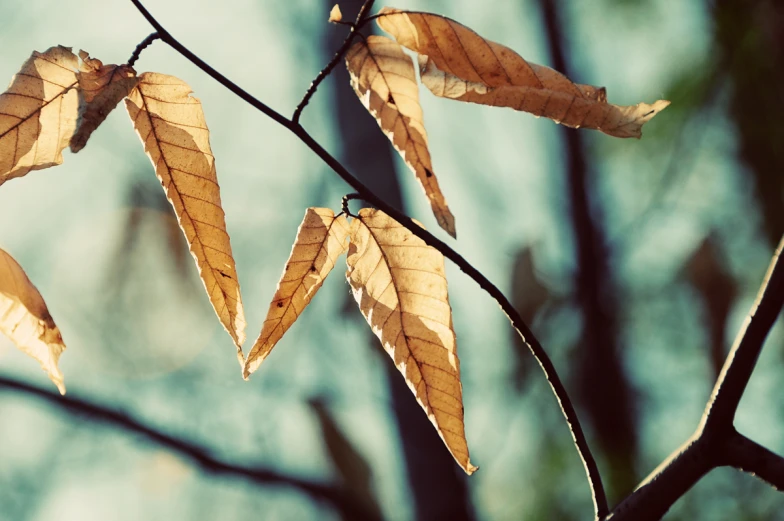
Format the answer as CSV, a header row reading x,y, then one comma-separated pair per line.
x,y
198,455
533,344
142,45
751,457
363,12
716,443
735,375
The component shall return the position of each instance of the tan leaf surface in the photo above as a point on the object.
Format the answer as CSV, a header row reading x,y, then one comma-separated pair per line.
x,y
321,239
25,319
459,64
172,128
101,87
383,77
335,15
398,282
38,113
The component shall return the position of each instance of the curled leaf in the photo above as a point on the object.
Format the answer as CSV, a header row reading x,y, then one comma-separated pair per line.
x,y
383,77
335,15
38,113
101,88
25,319
459,64
321,239
399,284
171,125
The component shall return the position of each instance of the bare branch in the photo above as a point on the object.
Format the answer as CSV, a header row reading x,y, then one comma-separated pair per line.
x,y
517,322
715,442
665,485
363,12
751,457
720,411
198,455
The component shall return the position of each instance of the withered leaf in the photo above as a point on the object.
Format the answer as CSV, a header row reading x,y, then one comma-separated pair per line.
x,y
457,63
171,125
383,77
321,239
101,88
399,284
335,15
25,319
38,113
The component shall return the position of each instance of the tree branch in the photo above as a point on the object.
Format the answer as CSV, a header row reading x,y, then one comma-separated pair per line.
x,y
751,457
720,411
517,322
363,12
198,455
715,442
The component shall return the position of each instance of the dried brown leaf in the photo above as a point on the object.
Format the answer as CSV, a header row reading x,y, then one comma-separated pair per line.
x,y
399,284
335,15
459,64
38,113
383,77
171,125
321,239
25,319
101,87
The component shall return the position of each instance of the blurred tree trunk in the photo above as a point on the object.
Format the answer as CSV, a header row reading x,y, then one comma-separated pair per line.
x,y
750,38
604,390
436,482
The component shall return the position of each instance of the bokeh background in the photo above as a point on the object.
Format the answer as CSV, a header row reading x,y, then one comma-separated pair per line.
x,y
633,261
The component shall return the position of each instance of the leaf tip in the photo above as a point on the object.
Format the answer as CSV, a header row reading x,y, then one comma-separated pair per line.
x,y
335,15
470,469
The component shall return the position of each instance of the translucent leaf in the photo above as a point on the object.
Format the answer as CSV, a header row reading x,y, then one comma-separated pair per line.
x,y
335,15
399,284
171,125
101,88
459,64
25,319
321,239
38,113
383,77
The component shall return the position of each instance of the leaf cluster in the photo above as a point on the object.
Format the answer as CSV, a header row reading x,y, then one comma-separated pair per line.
x,y
58,99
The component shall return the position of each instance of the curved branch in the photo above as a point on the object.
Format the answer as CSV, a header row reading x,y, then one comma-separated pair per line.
x,y
198,455
559,390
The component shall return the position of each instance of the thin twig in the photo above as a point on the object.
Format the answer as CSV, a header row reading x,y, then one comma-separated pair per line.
x,y
139,48
195,453
363,11
517,322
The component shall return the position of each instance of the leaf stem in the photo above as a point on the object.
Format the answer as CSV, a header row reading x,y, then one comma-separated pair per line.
x,y
143,45
344,203
556,385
